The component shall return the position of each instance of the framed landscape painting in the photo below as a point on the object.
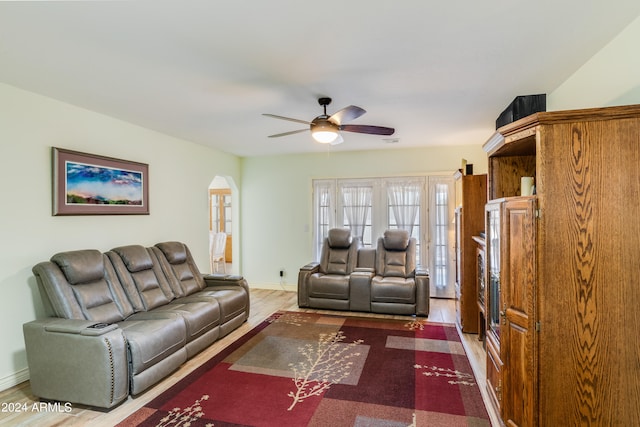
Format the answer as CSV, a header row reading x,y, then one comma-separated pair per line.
x,y
88,184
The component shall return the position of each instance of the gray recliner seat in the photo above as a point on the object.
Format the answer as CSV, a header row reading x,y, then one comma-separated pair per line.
x,y
326,284
350,277
71,361
189,285
121,321
148,290
397,287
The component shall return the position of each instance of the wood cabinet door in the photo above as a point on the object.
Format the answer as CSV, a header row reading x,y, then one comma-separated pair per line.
x,y
518,303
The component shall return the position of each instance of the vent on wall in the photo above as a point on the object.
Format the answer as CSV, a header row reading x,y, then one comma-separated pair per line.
x,y
520,107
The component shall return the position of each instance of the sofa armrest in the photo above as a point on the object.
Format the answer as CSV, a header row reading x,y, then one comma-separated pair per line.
x,y
82,327
360,289
422,271
423,291
312,267
226,280
69,364
303,282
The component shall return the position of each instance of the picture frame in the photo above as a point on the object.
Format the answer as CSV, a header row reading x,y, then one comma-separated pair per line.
x,y
90,184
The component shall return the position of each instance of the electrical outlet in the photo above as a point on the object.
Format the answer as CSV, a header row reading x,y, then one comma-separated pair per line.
x,y
281,273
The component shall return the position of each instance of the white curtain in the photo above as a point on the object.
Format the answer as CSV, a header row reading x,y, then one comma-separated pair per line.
x,y
357,202
324,213
404,199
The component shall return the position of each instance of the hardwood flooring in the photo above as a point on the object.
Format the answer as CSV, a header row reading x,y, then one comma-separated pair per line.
x,y
263,303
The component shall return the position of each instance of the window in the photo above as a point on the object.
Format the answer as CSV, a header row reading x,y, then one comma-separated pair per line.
x,y
323,212
423,205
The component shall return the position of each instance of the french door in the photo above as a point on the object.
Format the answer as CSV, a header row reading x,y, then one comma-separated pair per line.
x,y
423,205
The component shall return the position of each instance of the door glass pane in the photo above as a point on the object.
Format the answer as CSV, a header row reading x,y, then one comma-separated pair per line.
x,y
493,236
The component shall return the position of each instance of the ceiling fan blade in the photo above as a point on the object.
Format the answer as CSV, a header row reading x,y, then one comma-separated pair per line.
x,y
374,130
287,118
338,140
292,132
346,114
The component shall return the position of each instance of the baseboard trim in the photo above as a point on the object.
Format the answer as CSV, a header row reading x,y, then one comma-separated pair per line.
x,y
14,379
275,287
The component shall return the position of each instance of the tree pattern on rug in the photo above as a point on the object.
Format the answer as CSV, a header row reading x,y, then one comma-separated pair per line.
x,y
288,318
325,364
184,417
463,378
415,325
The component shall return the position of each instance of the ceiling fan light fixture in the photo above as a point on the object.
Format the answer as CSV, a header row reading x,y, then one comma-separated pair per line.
x,y
324,131
325,137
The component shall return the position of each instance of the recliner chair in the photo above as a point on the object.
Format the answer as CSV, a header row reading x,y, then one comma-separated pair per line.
x,y
354,278
326,284
398,287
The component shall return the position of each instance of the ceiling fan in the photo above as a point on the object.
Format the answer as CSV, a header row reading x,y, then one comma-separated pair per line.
x,y
326,129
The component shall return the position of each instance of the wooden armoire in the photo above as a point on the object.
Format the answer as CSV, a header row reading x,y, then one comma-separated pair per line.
x,y
565,281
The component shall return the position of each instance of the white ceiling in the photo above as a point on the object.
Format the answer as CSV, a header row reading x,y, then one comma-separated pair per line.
x,y
440,72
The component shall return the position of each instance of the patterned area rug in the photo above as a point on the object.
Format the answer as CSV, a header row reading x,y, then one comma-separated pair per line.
x,y
307,369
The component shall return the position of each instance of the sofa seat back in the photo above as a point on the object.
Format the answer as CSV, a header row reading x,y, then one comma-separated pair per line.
x,y
231,293
82,285
147,286
326,284
179,268
339,253
142,279
396,254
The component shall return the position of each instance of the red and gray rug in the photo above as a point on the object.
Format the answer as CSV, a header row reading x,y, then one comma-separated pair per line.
x,y
307,369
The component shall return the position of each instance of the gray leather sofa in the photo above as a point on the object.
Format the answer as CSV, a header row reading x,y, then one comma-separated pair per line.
x,y
121,321
352,278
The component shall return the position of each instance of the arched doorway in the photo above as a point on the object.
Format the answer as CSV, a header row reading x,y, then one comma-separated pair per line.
x,y
221,210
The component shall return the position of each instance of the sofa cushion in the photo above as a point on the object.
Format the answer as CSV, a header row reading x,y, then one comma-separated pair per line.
x,y
135,257
329,286
81,266
395,264
338,259
151,340
396,240
232,300
199,316
339,238
181,271
175,252
144,281
398,290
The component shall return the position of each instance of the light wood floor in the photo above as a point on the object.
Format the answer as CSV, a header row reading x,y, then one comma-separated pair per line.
x,y
263,303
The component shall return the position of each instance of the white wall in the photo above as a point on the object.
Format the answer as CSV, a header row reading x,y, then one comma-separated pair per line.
x,y
277,206
179,171
609,78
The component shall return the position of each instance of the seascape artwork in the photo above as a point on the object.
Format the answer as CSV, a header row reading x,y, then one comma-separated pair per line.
x,y
88,184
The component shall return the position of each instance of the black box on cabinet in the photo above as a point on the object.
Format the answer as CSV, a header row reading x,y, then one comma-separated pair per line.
x,y
520,107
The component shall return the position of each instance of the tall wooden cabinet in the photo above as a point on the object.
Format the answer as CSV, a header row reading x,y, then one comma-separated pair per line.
x,y
566,277
471,196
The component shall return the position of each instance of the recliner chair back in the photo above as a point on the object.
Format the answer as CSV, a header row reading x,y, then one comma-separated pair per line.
x,y
82,285
179,267
141,277
339,252
396,254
